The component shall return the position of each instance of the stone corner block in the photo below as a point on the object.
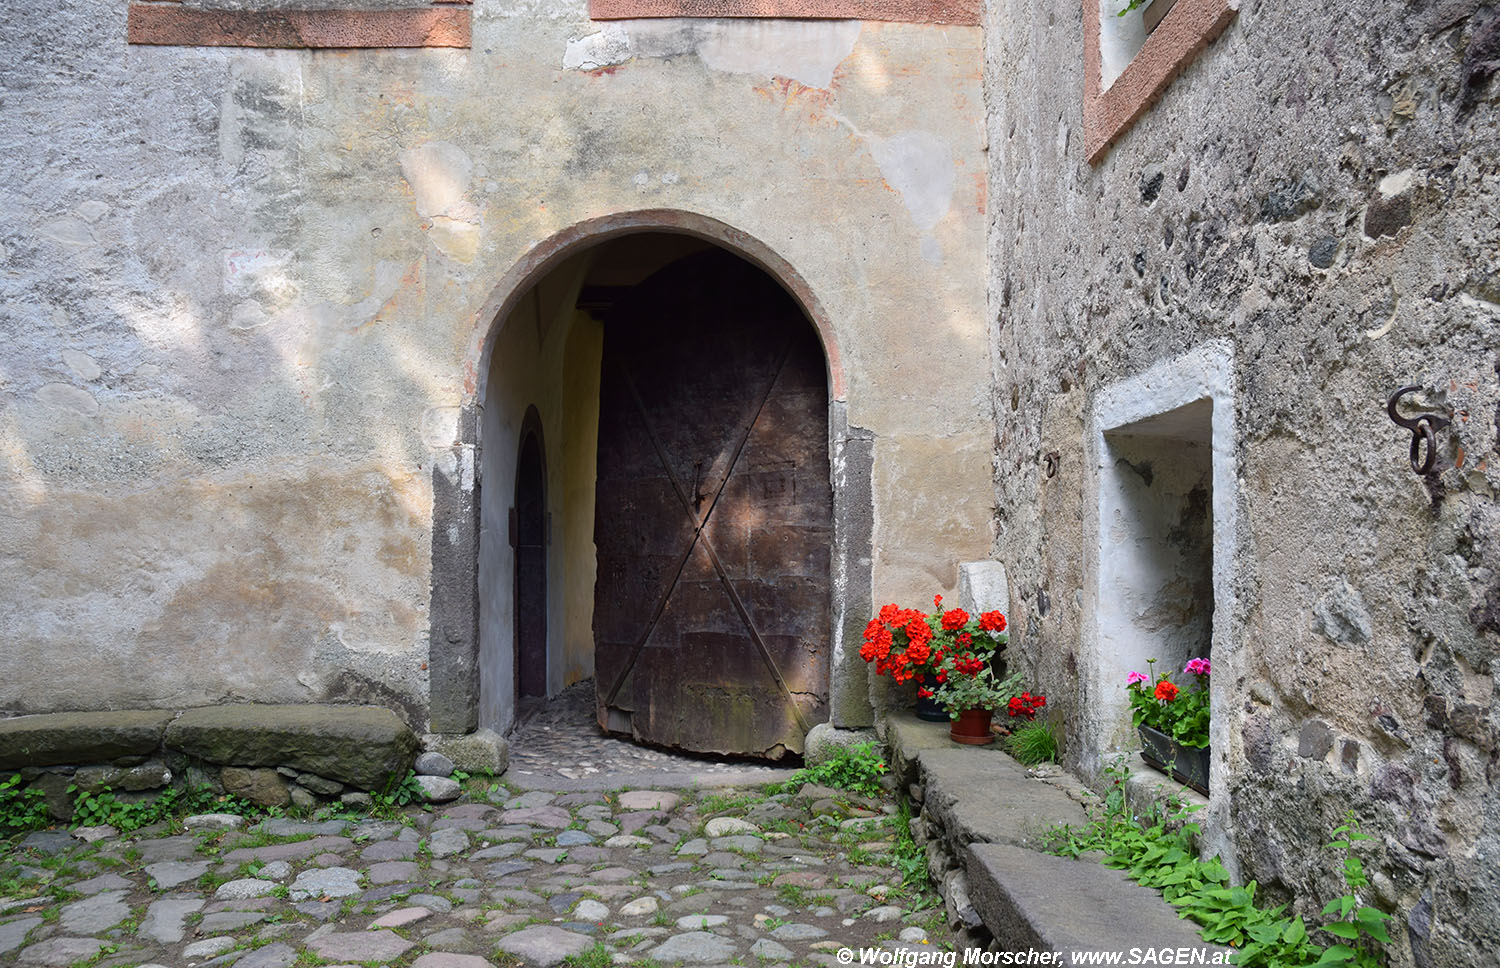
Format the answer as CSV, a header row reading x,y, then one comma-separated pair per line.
x,y
982,587
825,740
363,746
51,739
482,751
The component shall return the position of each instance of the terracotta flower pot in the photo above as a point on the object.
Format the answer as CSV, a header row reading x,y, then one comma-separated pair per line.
x,y
972,727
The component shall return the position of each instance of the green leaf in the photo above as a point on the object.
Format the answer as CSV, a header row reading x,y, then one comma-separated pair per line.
x,y
1264,933
1342,929
1296,931
1371,921
1337,955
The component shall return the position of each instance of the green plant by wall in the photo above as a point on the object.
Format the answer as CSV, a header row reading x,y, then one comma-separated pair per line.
x,y
1157,850
398,794
20,809
1034,743
1363,927
104,808
855,768
908,856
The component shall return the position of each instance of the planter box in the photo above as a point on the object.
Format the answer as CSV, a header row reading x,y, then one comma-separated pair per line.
x,y
1187,764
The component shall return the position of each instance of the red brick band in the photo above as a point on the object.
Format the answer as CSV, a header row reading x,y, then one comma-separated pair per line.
x,y
960,12
1188,27
172,25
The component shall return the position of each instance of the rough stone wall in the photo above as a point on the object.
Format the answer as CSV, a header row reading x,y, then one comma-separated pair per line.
x,y
1320,189
241,294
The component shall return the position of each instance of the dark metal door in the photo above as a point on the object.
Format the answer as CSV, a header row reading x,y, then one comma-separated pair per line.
x,y
713,514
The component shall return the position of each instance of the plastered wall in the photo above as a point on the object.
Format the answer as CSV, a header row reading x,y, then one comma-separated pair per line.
x,y
245,298
1317,191
553,366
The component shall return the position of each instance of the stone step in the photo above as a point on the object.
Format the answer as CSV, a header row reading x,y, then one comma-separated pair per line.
x,y
1033,900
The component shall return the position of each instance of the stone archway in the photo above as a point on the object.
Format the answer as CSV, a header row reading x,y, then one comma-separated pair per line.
x,y
456,600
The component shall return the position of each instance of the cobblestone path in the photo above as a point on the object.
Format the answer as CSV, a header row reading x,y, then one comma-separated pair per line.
x,y
558,744
640,876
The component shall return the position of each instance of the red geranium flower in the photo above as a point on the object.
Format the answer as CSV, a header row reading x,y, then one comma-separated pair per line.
x,y
992,621
1166,691
955,619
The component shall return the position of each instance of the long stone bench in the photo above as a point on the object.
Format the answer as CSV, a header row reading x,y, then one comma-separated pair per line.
x,y
273,754
86,737
983,818
1033,900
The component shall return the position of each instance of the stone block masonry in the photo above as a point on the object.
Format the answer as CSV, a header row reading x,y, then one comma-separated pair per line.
x,y
982,822
1325,214
272,755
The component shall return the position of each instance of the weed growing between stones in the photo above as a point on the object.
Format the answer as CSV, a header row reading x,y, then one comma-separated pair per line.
x,y
908,857
597,956
20,809
309,960
855,768
388,802
733,801
103,808
1157,850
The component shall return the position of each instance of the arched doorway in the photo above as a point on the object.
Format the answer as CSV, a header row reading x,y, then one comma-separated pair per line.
x,y
529,527
540,343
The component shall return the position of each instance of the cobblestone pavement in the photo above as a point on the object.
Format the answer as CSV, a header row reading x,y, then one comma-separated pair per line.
x,y
558,744
642,876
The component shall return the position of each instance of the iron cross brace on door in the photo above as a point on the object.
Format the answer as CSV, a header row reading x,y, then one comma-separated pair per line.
x,y
693,508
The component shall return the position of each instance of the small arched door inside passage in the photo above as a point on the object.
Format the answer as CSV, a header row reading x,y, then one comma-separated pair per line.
x,y
529,538
713,513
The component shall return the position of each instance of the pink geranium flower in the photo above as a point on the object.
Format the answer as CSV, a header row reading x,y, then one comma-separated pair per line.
x,y
1135,677
1198,667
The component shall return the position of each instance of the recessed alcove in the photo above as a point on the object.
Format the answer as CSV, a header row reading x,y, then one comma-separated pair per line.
x,y
1156,546
1160,566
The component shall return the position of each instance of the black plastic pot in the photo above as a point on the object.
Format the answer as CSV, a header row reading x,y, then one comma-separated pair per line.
x,y
1188,764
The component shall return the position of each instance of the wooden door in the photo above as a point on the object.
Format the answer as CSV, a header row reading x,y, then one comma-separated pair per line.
x,y
531,570
713,514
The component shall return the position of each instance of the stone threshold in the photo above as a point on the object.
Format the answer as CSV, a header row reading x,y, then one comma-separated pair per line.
x,y
982,820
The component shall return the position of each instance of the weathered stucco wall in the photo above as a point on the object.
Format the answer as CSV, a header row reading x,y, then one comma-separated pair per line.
x,y
243,299
1318,190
